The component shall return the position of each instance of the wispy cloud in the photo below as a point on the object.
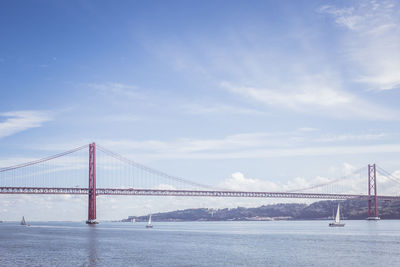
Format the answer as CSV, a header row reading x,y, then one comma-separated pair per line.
x,y
18,121
307,129
313,95
351,137
201,109
307,80
372,42
258,145
306,151
317,97
121,118
186,146
306,141
113,89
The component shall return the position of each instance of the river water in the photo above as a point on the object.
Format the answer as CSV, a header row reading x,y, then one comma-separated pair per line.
x,y
270,243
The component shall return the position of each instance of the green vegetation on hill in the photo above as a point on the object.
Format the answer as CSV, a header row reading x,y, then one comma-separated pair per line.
x,y
350,209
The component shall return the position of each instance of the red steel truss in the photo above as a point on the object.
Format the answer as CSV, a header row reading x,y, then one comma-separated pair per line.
x,y
182,193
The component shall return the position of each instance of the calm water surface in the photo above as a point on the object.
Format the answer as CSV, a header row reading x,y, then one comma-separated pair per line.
x,y
280,243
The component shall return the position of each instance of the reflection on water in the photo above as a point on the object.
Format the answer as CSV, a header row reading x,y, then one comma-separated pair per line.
x,y
283,243
92,245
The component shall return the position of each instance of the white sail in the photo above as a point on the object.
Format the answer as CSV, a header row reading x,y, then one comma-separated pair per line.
x,y
337,218
337,223
149,225
23,221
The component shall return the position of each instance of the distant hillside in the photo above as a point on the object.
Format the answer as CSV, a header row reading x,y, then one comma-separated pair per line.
x,y
351,209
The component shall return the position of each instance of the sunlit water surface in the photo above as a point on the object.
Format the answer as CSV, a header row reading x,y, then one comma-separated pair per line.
x,y
273,243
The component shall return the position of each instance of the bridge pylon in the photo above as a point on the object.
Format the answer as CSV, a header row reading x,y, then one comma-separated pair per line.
x,y
92,185
372,193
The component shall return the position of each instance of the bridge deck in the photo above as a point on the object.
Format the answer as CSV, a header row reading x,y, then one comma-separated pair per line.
x,y
182,193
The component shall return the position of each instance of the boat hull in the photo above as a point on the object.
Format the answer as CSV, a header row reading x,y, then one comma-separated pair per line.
x,y
373,219
92,222
336,224
149,226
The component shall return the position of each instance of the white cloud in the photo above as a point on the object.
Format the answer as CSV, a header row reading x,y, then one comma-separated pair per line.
x,y
218,109
299,142
351,181
18,121
307,129
372,42
188,146
351,137
121,118
112,89
310,78
253,153
316,97
237,182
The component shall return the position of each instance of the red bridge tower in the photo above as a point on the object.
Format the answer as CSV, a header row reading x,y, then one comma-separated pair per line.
x,y
92,185
373,199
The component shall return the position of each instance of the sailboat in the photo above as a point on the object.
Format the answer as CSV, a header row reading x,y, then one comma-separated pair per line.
x,y
149,225
337,223
23,222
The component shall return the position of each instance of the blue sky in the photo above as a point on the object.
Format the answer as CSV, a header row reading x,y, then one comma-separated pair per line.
x,y
225,93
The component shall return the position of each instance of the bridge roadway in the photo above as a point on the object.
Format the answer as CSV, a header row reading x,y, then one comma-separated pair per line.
x,y
182,193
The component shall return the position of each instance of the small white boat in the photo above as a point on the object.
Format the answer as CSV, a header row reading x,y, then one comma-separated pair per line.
x,y
149,225
23,222
337,223
373,219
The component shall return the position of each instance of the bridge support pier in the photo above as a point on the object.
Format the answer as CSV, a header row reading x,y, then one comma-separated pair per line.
x,y
373,199
92,185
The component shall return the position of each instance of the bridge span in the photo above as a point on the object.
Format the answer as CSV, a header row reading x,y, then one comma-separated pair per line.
x,y
41,176
183,193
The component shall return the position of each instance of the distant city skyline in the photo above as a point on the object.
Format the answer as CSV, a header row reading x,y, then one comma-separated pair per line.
x,y
233,94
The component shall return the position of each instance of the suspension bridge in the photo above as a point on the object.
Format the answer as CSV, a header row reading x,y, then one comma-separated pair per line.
x,y
110,173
